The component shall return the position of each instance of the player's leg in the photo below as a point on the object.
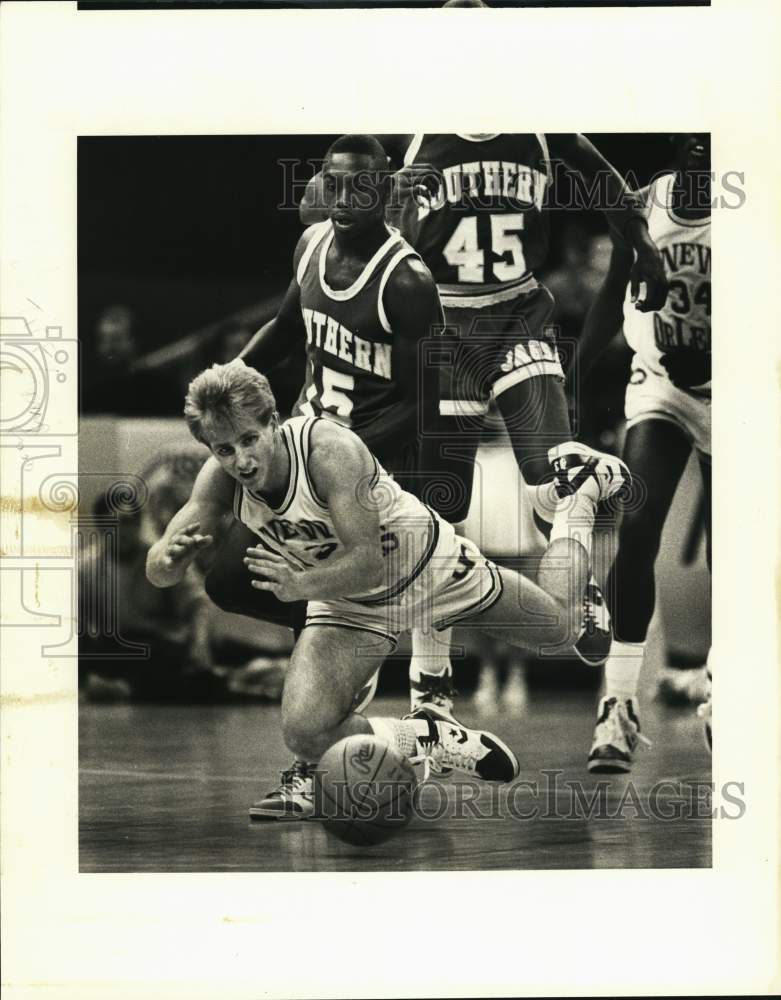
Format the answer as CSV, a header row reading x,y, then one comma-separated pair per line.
x,y
329,665
528,386
545,617
705,709
447,468
657,451
229,583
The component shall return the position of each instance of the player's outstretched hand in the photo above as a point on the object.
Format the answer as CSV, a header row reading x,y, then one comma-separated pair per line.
x,y
648,282
185,545
276,574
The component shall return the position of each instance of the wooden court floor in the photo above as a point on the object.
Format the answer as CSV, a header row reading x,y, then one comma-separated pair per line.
x,y
166,789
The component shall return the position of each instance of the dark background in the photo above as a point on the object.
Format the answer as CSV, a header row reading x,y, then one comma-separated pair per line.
x,y
186,230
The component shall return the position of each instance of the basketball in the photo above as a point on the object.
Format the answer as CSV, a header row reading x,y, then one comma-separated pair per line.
x,y
363,790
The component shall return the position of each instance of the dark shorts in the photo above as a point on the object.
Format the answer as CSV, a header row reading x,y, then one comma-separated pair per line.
x,y
485,351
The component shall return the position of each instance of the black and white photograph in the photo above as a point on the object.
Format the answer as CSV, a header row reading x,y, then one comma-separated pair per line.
x,y
368,544
409,544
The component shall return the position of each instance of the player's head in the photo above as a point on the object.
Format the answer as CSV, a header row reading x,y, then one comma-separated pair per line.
x,y
231,409
464,3
356,182
691,151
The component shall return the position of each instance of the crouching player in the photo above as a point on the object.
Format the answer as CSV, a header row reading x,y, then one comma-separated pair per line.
x,y
372,561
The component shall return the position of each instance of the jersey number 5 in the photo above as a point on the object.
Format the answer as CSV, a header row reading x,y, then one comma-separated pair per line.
x,y
334,397
463,251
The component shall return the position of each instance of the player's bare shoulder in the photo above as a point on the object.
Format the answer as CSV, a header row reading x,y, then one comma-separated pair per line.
x,y
337,456
410,285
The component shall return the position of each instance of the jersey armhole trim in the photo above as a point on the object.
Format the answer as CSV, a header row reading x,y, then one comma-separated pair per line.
x,y
306,256
413,149
395,260
305,444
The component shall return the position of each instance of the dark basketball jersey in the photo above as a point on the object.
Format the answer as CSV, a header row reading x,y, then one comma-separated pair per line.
x,y
352,375
484,231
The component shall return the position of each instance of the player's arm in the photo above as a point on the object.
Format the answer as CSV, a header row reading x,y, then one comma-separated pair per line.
x,y
412,305
342,471
276,339
192,528
606,313
624,214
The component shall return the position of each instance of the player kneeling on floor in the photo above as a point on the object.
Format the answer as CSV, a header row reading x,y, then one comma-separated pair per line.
x,y
372,561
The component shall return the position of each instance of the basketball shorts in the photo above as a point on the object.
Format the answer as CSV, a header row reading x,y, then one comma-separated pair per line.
x,y
455,584
493,348
653,397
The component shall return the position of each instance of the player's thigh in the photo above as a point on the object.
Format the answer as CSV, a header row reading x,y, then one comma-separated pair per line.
x,y
656,452
526,616
329,665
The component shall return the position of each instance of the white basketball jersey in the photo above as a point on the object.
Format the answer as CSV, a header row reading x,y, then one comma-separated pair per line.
x,y
685,319
302,532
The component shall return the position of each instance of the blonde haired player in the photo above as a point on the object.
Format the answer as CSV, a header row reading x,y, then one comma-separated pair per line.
x,y
372,561
668,413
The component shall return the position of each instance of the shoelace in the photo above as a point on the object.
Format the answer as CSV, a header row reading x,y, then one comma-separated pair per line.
x,y
434,750
626,727
295,778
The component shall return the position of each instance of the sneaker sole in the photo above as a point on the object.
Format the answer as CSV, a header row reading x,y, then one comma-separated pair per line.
x,y
609,767
260,815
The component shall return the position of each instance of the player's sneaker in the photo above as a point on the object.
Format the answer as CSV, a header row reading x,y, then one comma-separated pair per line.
x,y
292,799
705,713
432,689
596,636
615,738
679,686
449,744
578,468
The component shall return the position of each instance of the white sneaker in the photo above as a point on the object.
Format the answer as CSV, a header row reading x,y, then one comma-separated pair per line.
x,y
449,744
580,468
596,637
616,736
292,799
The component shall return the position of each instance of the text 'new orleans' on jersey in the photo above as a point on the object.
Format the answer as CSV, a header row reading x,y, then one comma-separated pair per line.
x,y
483,231
302,531
351,373
685,319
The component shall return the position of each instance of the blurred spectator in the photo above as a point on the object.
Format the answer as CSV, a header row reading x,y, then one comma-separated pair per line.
x,y
107,386
118,606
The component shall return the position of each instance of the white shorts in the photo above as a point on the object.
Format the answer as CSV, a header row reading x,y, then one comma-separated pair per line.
x,y
456,583
653,397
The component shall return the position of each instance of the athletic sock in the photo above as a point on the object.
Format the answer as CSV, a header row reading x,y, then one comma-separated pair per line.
x,y
430,655
622,669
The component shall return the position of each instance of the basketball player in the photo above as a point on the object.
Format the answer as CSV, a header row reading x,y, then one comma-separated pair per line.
x,y
474,206
361,299
668,406
333,529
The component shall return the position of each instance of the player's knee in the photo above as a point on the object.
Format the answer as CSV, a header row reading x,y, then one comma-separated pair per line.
x,y
306,721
